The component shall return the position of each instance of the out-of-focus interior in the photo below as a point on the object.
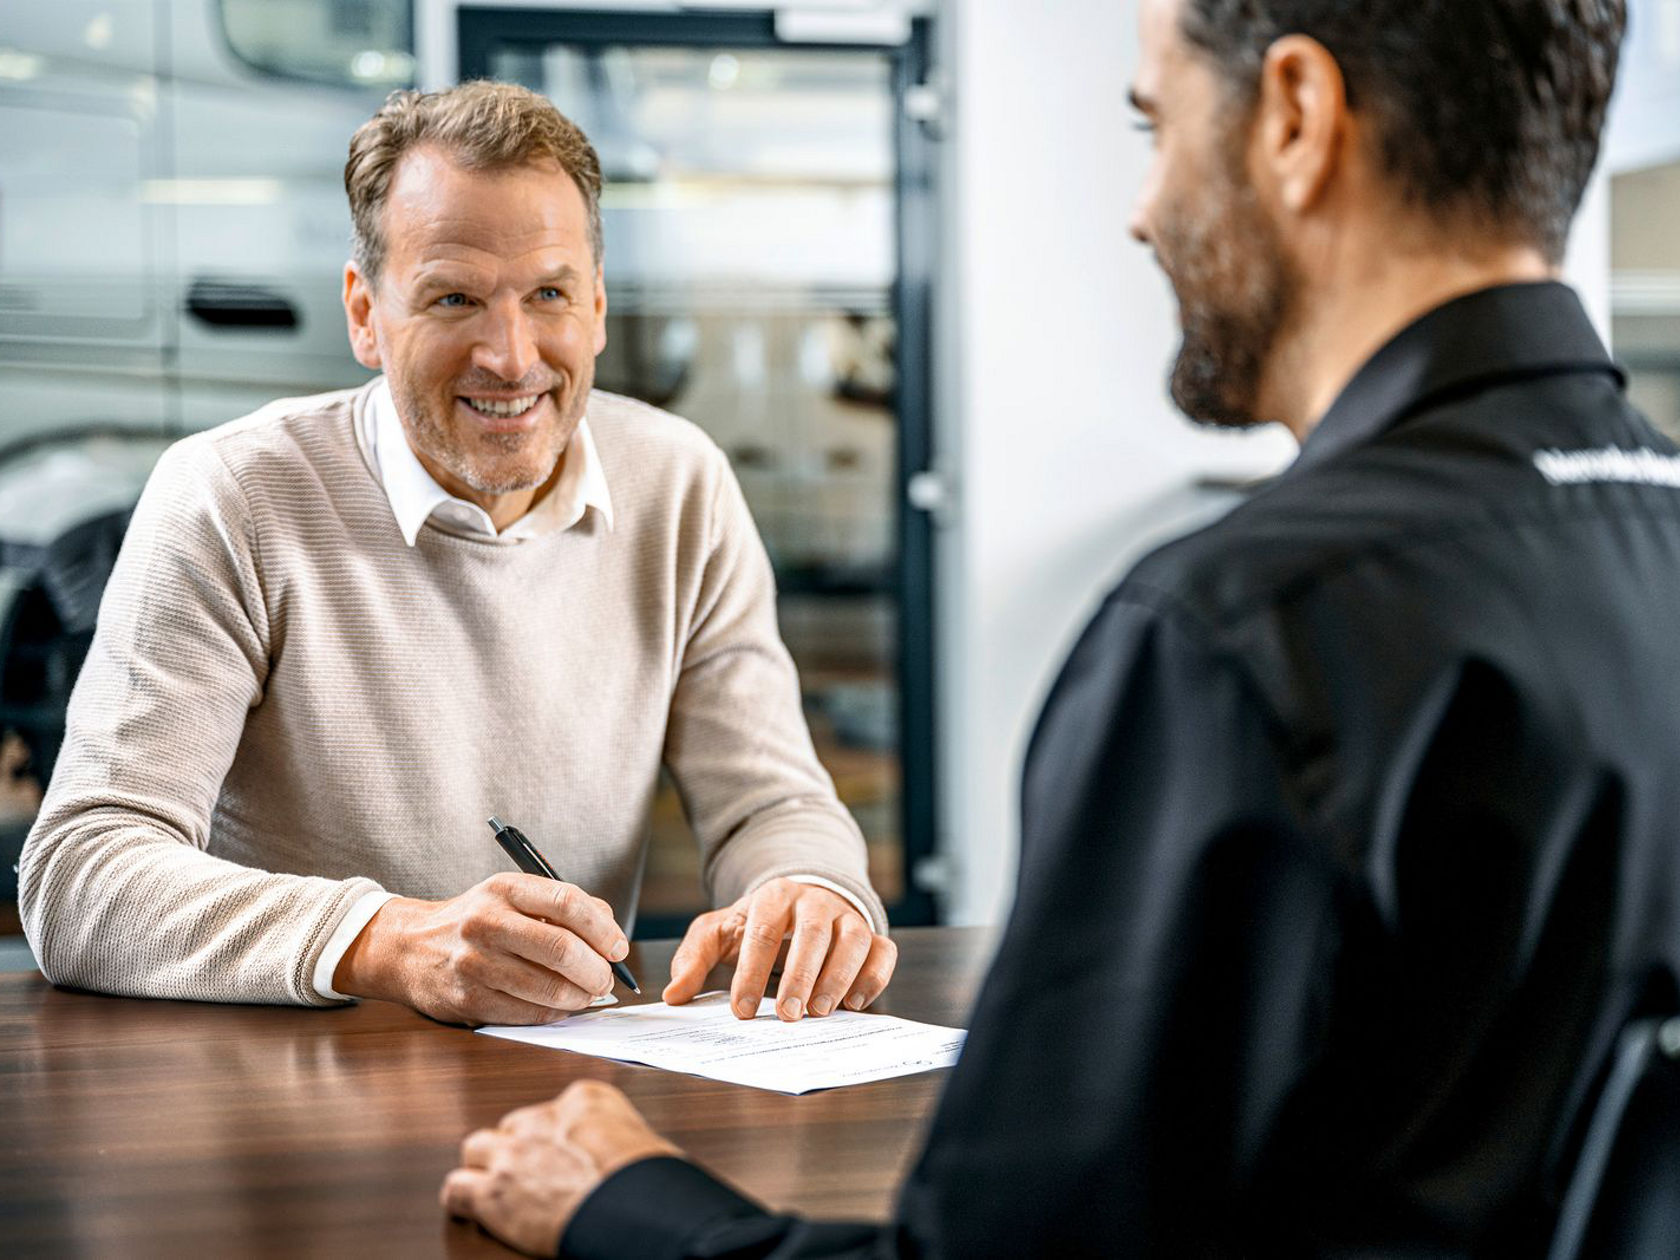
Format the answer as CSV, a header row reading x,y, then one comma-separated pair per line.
x,y
942,498
174,223
1645,288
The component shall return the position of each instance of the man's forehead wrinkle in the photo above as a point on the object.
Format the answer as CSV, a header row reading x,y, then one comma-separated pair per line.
x,y
454,257
469,232
426,213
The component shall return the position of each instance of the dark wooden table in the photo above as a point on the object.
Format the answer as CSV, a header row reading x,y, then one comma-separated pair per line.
x,y
146,1128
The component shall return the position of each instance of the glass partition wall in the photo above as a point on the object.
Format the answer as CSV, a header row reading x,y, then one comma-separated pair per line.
x,y
1645,288
754,219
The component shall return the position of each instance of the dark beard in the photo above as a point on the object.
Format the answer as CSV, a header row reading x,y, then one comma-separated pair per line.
x,y
1236,292
1216,377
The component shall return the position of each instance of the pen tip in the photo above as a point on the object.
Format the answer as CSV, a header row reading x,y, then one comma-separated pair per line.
x,y
496,824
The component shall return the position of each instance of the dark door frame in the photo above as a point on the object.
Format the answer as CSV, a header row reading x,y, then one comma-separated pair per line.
x,y
480,31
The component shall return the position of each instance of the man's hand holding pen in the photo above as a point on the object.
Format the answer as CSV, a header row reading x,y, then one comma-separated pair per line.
x,y
515,949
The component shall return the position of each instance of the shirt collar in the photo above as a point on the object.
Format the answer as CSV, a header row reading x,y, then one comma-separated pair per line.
x,y
1471,342
415,495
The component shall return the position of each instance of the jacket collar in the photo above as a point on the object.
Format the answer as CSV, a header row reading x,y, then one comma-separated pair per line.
x,y
1470,343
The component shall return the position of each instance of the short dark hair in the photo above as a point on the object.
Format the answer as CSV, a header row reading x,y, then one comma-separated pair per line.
x,y
1485,108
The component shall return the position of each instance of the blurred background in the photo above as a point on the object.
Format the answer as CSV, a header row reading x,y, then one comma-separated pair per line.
x,y
875,247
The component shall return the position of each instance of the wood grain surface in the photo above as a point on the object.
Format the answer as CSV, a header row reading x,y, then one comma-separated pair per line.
x,y
131,1127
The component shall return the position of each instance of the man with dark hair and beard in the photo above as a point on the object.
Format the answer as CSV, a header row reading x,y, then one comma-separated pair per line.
x,y
1348,826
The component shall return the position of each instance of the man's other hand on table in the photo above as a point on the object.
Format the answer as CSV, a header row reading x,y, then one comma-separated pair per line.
x,y
523,1180
834,958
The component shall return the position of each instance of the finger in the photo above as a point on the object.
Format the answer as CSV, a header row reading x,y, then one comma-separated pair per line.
x,y
712,938
552,949
483,1005
872,978
477,1148
590,1098
846,956
807,950
540,1120
768,917
602,1123
568,906
496,988
462,1191
529,983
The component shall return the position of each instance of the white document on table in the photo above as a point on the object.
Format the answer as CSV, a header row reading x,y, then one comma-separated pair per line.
x,y
704,1038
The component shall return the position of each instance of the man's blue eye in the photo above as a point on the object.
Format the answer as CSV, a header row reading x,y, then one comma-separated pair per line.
x,y
453,299
549,293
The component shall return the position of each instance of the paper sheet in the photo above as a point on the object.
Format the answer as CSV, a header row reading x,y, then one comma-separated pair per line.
x,y
704,1038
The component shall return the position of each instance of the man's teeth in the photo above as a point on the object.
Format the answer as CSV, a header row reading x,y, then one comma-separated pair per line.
x,y
500,407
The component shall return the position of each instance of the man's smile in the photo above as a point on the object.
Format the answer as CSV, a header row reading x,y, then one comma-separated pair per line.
x,y
504,415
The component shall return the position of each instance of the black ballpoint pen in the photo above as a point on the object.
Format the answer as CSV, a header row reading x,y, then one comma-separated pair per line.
x,y
527,859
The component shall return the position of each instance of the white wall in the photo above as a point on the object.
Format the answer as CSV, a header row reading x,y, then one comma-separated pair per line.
x,y
1644,127
1068,458
1057,332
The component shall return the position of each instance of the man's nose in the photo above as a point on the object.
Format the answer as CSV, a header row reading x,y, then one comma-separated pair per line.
x,y
1137,223
1143,206
508,346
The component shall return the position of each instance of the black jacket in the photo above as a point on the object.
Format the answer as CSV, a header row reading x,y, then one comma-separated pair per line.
x,y
1351,836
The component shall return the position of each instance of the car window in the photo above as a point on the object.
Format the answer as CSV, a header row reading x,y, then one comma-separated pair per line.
x,y
355,43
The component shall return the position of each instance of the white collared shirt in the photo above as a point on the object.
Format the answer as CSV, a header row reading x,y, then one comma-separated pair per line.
x,y
415,497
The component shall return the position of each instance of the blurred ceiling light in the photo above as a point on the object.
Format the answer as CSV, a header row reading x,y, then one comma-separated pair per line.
x,y
373,66
725,69
1668,31
210,192
97,34
18,65
142,94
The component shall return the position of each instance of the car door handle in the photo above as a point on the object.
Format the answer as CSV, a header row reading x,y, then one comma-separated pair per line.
x,y
248,306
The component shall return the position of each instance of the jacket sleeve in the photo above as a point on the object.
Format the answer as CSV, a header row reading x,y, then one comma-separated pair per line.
x,y
737,747
1157,996
116,890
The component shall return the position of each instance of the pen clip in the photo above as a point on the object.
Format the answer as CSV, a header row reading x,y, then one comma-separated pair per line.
x,y
521,850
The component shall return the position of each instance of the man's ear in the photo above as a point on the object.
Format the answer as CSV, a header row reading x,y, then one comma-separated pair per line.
x,y
358,312
600,310
1302,122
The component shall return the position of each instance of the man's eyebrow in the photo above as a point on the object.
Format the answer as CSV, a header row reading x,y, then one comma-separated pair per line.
x,y
441,278
1138,101
563,274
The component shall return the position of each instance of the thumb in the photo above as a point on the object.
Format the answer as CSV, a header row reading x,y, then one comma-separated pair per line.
x,y
705,944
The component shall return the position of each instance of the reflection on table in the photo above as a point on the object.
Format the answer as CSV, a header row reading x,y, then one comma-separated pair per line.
x,y
146,1128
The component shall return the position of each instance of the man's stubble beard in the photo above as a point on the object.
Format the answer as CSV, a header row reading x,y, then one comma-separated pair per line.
x,y
1237,291
433,439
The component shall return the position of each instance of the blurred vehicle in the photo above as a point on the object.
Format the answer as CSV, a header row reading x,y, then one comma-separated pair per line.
x,y
172,230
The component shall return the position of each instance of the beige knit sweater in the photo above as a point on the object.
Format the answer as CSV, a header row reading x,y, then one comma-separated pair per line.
x,y
286,707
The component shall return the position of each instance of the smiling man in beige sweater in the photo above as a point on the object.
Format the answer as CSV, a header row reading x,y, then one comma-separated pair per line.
x,y
345,630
